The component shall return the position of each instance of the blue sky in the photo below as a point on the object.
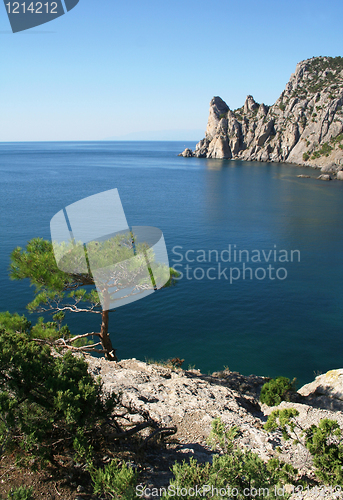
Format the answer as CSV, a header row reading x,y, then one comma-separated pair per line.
x,y
137,69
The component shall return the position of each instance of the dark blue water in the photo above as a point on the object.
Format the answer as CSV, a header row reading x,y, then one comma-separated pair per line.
x,y
290,326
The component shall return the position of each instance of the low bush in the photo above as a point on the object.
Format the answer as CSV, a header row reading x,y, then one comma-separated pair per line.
x,y
276,390
114,481
323,441
21,493
325,149
45,400
247,475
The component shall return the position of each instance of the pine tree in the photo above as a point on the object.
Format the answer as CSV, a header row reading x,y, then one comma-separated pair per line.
x,y
59,292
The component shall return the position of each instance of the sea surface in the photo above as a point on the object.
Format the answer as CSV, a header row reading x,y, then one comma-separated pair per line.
x,y
284,318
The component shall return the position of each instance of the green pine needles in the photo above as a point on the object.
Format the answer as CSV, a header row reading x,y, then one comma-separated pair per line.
x,y
240,470
277,390
323,441
45,400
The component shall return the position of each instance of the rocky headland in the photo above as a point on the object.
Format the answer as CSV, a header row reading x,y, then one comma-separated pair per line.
x,y
190,401
304,126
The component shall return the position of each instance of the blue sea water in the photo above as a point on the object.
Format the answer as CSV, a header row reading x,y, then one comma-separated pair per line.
x,y
290,327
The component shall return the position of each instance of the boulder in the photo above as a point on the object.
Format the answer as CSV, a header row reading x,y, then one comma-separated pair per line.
x,y
324,177
187,153
340,175
326,391
304,176
328,169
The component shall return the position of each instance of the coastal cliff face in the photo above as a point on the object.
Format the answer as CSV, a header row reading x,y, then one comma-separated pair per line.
x,y
304,126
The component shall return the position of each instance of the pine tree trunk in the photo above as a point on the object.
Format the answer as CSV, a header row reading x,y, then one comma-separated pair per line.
x,y
105,338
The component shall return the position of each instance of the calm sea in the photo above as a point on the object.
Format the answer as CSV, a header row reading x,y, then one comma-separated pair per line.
x,y
284,318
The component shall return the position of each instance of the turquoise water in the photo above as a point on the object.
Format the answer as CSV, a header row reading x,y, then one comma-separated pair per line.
x,y
290,325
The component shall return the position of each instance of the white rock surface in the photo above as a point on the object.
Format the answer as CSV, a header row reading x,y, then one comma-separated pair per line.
x,y
329,384
191,400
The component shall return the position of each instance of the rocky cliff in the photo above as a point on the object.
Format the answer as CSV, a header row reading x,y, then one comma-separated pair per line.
x,y
190,401
304,126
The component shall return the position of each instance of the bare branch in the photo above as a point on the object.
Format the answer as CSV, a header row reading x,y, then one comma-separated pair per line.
x,y
77,337
61,343
130,432
164,431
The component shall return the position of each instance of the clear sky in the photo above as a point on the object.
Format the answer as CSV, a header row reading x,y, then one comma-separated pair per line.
x,y
111,68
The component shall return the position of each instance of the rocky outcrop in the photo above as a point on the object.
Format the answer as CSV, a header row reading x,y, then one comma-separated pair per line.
x,y
304,126
190,400
187,153
326,390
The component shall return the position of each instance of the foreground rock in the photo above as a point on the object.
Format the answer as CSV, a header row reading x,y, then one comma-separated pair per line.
x,y
304,126
326,390
191,400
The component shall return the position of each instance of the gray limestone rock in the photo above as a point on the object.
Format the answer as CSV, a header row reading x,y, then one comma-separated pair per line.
x,y
326,391
191,400
304,126
324,177
187,153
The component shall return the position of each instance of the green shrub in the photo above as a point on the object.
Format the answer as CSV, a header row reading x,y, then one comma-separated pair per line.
x,y
46,400
241,470
282,420
50,330
276,390
21,493
282,107
220,437
306,156
324,442
337,139
114,481
325,149
14,322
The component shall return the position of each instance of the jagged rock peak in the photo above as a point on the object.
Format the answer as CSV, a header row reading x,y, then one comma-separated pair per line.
x,y
250,104
304,126
219,106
